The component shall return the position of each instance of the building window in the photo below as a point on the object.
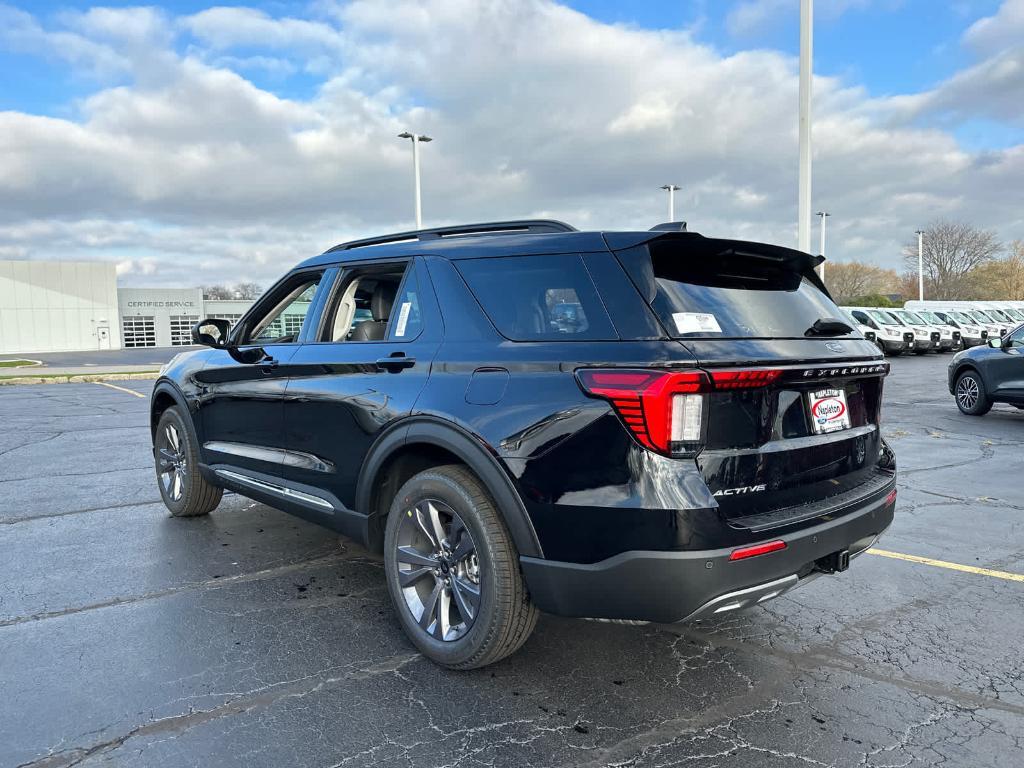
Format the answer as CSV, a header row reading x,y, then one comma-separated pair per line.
x,y
138,331
181,329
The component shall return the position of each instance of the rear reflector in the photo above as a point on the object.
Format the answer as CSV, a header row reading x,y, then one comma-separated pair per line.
x,y
891,498
758,549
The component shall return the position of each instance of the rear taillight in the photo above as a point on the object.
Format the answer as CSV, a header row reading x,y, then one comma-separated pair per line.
x,y
667,410
664,410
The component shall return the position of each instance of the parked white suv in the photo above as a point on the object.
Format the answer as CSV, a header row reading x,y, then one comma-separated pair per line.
x,y
941,341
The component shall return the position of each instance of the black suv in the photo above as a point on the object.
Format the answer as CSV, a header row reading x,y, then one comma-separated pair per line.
x,y
651,426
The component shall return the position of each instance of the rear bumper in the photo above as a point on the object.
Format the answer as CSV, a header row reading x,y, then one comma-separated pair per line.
x,y
667,587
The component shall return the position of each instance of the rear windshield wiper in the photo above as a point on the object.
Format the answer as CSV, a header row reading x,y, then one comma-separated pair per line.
x,y
828,326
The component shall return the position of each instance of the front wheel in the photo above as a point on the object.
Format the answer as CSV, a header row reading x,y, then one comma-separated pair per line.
x,y
453,571
970,394
185,492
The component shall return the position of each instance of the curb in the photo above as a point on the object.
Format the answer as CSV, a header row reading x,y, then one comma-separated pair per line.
x,y
76,378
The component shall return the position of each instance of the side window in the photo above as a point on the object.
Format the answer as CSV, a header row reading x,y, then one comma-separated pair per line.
x,y
408,318
283,322
1017,337
538,298
862,318
366,305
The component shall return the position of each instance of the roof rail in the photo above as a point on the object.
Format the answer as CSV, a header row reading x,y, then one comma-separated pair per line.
x,y
462,230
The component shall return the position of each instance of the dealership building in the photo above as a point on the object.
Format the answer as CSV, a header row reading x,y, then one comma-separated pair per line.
x,y
63,306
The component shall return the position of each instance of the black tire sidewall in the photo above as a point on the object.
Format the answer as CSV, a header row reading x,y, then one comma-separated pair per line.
x,y
982,406
172,416
435,485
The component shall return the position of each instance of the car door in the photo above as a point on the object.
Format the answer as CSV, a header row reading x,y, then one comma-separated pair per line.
x,y
1006,368
363,370
241,388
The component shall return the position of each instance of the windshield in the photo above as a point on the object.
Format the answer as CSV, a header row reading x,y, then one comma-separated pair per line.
x,y
980,316
931,318
960,317
1014,314
911,317
997,314
884,317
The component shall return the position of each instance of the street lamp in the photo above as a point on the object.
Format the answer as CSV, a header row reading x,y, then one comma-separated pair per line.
x,y
806,65
821,268
416,170
672,189
920,264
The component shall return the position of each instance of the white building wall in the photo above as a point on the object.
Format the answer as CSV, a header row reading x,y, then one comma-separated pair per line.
x,y
58,306
163,305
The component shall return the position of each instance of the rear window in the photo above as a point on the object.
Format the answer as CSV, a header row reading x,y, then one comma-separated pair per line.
x,y
538,298
735,296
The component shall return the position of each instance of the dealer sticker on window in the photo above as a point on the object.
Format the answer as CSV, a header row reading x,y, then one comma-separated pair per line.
x,y
828,411
696,322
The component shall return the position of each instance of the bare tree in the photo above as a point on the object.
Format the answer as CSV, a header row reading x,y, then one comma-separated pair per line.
x,y
216,292
247,291
849,280
951,251
1001,279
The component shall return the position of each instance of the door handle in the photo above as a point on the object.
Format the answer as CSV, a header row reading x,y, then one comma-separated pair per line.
x,y
396,362
268,365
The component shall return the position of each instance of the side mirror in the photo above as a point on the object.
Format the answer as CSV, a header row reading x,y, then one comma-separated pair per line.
x,y
996,342
211,332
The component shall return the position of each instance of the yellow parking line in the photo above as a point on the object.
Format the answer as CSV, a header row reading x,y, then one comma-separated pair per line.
x,y
950,566
119,389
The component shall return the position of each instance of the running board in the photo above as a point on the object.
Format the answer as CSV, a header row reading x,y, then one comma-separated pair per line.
x,y
281,491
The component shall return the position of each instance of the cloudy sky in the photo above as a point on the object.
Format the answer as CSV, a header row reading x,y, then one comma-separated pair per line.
x,y
195,144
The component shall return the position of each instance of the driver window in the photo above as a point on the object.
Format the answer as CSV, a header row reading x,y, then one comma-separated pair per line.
x,y
284,321
1017,337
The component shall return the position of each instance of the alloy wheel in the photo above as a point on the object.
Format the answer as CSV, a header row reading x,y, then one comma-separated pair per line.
x,y
171,463
967,392
438,570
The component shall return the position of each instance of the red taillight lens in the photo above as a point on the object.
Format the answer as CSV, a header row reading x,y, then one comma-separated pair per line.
x,y
891,498
746,379
757,549
664,410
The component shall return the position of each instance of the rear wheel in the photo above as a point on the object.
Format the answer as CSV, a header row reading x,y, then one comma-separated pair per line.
x,y
453,571
970,394
185,492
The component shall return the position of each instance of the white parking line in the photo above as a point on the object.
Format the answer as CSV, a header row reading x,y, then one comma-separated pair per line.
x,y
119,389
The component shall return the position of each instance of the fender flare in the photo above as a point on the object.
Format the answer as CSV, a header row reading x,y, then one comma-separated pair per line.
x,y
169,388
471,450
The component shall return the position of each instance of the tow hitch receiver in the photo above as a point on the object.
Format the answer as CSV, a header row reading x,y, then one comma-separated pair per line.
x,y
837,562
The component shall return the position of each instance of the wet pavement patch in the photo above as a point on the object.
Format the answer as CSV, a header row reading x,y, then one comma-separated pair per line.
x,y
250,638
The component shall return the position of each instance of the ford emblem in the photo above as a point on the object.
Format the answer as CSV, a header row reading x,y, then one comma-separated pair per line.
x,y
835,346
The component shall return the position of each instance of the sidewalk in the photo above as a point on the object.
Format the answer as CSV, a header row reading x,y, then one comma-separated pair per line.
x,y
45,374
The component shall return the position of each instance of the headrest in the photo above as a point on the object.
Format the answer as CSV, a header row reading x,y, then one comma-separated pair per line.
x,y
382,300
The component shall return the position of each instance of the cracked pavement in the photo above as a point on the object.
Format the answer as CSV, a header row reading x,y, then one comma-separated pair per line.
x,y
251,638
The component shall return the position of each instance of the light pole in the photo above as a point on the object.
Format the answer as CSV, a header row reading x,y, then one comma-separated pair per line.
x,y
920,264
806,65
416,170
821,268
672,189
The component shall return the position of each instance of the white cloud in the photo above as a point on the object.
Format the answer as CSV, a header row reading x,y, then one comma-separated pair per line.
x,y
1003,30
536,109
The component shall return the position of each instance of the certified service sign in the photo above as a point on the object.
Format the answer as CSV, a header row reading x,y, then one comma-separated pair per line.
x,y
828,411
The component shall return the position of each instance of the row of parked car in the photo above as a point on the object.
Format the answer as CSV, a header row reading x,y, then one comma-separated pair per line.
x,y
936,326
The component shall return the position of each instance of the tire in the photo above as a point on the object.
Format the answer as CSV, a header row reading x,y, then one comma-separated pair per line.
x,y
970,394
503,616
185,492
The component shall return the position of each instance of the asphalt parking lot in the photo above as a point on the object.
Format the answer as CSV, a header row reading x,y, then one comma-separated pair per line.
x,y
250,638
